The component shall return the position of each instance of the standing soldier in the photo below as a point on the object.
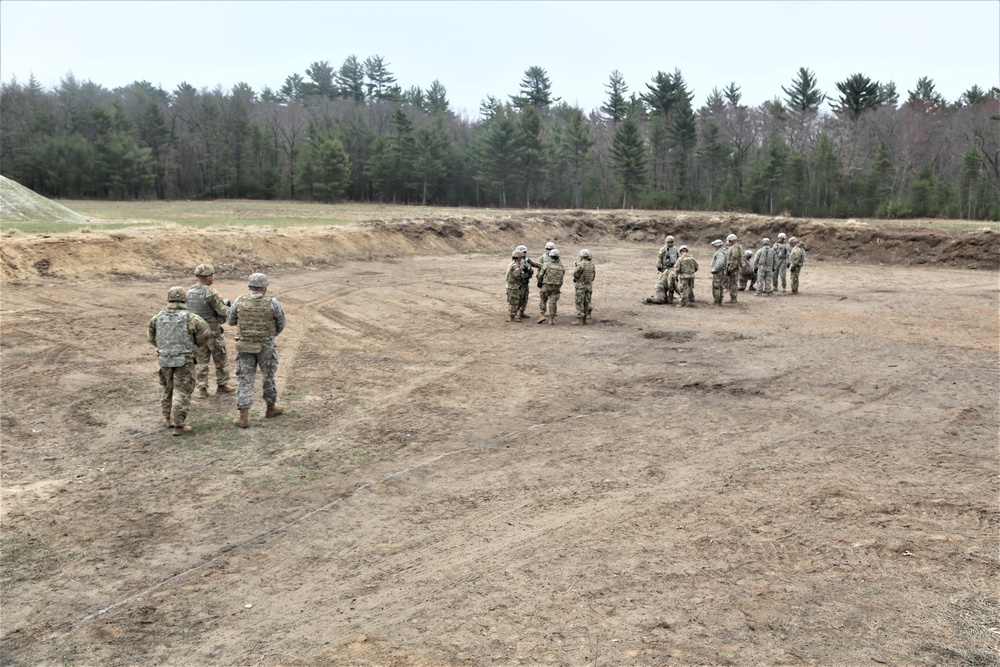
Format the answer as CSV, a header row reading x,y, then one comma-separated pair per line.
x,y
747,275
528,266
514,286
204,300
685,269
584,272
797,258
720,274
260,318
734,254
781,253
667,257
177,333
544,257
763,263
550,277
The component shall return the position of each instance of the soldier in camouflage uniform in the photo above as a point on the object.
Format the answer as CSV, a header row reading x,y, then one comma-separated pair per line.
x,y
747,275
528,266
763,264
544,257
734,254
260,318
781,253
720,274
177,333
686,267
797,257
667,256
204,300
584,273
550,276
514,286
663,290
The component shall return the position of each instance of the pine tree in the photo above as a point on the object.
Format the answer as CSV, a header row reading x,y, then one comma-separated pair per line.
x,y
431,153
350,80
858,94
573,149
532,152
617,106
803,95
536,90
628,156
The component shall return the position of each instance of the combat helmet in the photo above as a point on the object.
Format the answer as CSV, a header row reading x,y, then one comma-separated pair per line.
x,y
522,248
765,241
204,270
781,236
177,295
550,245
731,237
554,253
517,254
670,239
585,253
717,243
257,280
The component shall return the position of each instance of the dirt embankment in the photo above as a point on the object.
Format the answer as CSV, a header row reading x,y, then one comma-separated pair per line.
x,y
236,251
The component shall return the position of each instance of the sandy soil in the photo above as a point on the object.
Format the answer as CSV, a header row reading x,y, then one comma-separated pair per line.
x,y
794,480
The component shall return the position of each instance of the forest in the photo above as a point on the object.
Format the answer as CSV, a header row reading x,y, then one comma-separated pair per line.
x,y
353,133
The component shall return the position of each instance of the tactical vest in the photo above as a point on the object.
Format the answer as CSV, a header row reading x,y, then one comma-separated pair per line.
x,y
669,256
588,273
781,252
255,319
174,342
766,258
553,273
733,255
526,271
687,266
198,305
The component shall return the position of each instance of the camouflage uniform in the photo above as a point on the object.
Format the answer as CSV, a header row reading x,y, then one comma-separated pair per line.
x,y
763,263
747,275
527,270
686,267
720,274
666,257
797,259
663,290
177,333
260,318
514,287
734,254
206,302
781,253
550,276
584,272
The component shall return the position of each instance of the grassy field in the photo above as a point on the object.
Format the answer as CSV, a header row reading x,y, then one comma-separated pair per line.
x,y
224,213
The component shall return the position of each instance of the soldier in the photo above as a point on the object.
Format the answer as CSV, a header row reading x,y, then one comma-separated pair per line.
x,y
720,273
514,286
260,318
204,300
528,266
177,333
763,264
797,258
550,277
667,256
685,268
747,275
734,254
781,253
663,290
584,272
544,257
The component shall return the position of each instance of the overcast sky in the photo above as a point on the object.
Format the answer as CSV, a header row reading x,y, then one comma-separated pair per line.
x,y
483,48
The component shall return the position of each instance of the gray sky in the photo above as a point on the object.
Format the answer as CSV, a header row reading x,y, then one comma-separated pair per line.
x,y
483,48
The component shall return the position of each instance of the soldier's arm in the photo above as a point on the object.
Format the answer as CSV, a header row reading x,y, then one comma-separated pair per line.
x,y
199,328
232,317
151,332
216,302
279,316
533,263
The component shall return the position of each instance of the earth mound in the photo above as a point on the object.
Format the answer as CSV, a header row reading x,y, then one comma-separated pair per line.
x,y
18,203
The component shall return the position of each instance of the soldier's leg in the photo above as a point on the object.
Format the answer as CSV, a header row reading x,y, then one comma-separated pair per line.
x,y
167,395
588,299
581,302
202,356
513,301
795,281
522,301
183,386
220,355
553,301
268,361
246,374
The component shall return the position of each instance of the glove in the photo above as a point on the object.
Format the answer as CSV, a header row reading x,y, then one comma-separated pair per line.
x,y
228,303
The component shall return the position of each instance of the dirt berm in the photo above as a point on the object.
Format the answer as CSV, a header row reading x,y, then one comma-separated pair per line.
x,y
134,252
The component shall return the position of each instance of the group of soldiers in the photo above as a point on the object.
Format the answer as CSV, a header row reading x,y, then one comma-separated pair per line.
x,y
549,280
733,268
188,334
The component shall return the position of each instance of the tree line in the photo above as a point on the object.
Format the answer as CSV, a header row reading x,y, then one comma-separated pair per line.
x,y
352,133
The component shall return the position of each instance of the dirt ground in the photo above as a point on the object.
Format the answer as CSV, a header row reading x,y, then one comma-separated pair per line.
x,y
794,480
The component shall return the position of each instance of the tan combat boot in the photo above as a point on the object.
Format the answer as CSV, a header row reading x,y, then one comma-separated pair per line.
x,y
578,321
224,389
542,318
201,392
585,319
182,429
166,421
552,319
273,410
243,421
